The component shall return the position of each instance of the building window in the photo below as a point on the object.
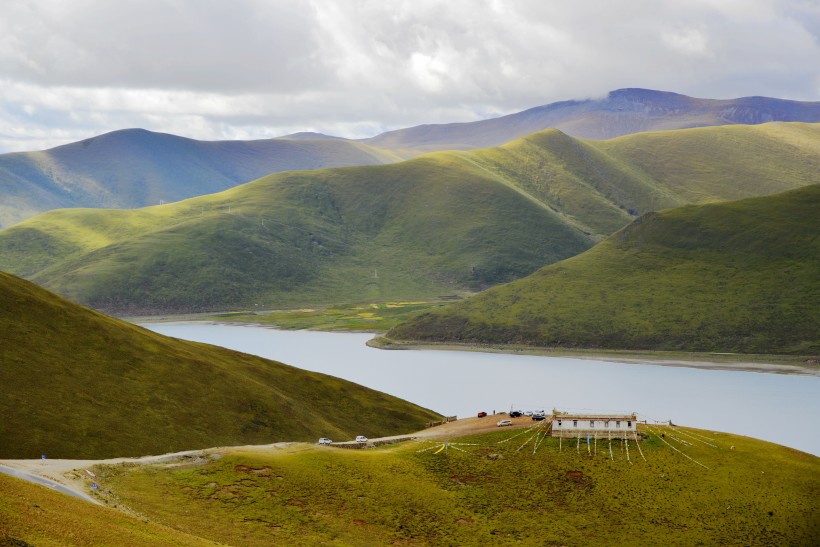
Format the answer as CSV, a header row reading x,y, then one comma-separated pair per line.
x,y
606,424
592,423
628,424
559,423
574,423
618,423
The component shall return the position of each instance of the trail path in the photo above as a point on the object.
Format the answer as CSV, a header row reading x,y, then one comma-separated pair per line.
x,y
72,477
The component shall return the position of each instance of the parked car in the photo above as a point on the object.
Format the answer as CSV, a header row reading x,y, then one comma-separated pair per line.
x,y
482,414
538,417
325,440
516,414
361,439
502,423
528,413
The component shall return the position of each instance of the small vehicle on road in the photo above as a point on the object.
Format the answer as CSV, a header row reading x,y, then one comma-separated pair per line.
x,y
325,440
502,423
516,414
537,417
361,439
482,414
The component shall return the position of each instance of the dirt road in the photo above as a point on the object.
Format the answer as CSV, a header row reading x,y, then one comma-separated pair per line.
x,y
75,476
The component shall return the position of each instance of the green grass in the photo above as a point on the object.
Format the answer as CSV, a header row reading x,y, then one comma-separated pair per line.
x,y
755,493
79,384
440,224
32,515
369,317
734,277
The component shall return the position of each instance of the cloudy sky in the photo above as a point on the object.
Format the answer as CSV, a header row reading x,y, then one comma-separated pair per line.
x,y
238,69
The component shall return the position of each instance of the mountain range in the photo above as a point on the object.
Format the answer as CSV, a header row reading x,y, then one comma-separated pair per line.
x,y
737,276
621,112
442,223
136,168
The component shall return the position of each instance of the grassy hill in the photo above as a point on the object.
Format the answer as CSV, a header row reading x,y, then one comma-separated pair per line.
x,y
32,515
741,276
621,112
135,168
438,224
500,490
78,384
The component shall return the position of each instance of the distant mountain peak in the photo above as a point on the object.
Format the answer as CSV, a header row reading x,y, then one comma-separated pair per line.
x,y
307,135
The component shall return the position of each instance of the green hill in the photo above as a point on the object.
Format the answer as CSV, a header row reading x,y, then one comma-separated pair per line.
x,y
439,224
135,168
78,384
742,276
496,490
33,515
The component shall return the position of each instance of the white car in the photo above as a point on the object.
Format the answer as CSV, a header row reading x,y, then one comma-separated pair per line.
x,y
325,440
361,439
502,423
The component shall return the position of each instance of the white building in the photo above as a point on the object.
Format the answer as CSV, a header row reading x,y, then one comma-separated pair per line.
x,y
602,426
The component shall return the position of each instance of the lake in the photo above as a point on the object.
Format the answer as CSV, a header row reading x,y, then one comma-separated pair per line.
x,y
774,407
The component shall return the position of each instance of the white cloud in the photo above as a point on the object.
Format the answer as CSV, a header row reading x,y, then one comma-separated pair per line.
x,y
256,68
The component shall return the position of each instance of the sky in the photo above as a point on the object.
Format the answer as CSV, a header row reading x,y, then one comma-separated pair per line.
x,y
246,69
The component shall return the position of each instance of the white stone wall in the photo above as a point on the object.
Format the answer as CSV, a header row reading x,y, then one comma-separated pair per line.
x,y
572,426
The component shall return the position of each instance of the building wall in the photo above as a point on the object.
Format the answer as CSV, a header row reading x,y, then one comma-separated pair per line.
x,y
603,428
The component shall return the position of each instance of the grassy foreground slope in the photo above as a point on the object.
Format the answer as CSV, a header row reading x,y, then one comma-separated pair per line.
x,y
741,276
442,223
33,515
500,490
78,384
134,168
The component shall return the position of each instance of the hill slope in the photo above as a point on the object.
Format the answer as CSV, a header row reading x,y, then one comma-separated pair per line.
x,y
438,224
621,112
135,168
78,384
738,277
491,493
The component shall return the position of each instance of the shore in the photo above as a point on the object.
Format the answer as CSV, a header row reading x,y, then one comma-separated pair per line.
x,y
773,364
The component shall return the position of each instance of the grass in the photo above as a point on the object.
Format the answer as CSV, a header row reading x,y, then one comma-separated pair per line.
x,y
439,224
501,491
79,384
34,515
369,317
730,277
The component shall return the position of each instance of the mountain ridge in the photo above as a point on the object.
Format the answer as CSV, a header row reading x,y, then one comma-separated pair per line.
x,y
135,168
442,223
621,112
170,168
729,277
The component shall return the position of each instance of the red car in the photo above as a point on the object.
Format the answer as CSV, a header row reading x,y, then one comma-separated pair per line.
x,y
482,414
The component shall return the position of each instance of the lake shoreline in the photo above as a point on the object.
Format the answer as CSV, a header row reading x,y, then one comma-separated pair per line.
x,y
771,364
711,361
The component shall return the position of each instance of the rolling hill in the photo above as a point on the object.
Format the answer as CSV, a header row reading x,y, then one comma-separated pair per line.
x,y
483,492
135,168
742,276
438,224
79,384
621,112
